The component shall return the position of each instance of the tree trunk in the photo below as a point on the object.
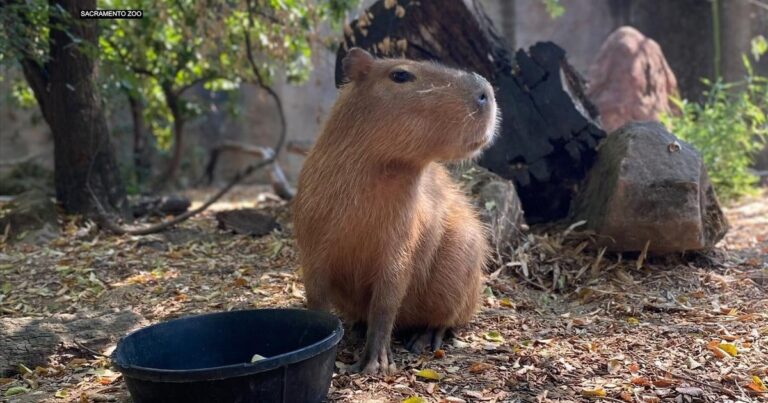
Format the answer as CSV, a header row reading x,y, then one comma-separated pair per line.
x,y
84,159
174,105
548,134
142,165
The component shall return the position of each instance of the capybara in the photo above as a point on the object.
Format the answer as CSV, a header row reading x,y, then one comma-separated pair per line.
x,y
385,235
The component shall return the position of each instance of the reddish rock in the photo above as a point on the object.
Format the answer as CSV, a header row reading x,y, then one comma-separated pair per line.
x,y
630,80
648,186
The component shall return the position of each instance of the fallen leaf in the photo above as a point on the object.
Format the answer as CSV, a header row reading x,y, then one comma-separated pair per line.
x,y
597,392
626,396
713,346
614,366
61,394
479,367
641,381
430,374
494,336
664,382
475,394
693,364
729,348
440,353
757,384
633,321
77,362
634,368
16,390
415,399
506,302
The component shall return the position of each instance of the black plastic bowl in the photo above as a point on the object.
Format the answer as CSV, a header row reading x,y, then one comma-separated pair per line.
x,y
207,358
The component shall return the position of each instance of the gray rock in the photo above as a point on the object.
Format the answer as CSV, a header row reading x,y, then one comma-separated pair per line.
x,y
30,217
248,221
497,204
648,186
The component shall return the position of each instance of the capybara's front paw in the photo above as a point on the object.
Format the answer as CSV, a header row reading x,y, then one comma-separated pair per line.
x,y
374,364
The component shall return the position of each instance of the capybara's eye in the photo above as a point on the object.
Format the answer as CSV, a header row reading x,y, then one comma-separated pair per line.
x,y
401,76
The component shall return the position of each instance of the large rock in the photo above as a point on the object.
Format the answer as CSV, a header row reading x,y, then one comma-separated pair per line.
x,y
630,80
648,186
30,217
496,202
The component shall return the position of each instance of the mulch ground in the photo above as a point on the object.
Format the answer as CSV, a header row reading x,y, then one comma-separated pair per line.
x,y
560,321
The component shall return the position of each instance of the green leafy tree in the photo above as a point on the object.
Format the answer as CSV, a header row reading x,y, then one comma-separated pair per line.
x,y
221,44
729,127
57,54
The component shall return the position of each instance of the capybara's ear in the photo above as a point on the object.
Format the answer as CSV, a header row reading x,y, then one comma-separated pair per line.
x,y
356,64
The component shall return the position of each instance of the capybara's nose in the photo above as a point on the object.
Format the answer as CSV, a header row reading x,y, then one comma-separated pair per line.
x,y
482,99
483,92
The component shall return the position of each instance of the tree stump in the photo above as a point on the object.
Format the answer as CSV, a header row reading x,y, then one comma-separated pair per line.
x,y
549,131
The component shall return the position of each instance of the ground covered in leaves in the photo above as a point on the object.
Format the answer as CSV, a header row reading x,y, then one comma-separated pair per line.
x,y
560,320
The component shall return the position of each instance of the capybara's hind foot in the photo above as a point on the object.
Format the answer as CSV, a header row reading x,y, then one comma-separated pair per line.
x,y
380,363
432,338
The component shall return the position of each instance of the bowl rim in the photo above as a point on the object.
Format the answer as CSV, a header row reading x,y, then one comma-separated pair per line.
x,y
232,370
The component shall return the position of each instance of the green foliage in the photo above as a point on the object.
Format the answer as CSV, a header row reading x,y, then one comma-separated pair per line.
x,y
554,7
759,46
177,45
728,128
21,94
181,43
24,33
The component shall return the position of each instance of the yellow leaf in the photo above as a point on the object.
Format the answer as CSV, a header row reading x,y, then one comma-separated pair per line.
x,y
597,392
506,302
494,336
729,348
633,321
431,374
61,394
757,384
415,399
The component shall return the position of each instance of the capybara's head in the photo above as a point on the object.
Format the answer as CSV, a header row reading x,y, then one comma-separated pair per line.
x,y
421,111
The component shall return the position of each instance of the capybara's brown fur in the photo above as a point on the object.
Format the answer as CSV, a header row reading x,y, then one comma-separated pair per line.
x,y
384,234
